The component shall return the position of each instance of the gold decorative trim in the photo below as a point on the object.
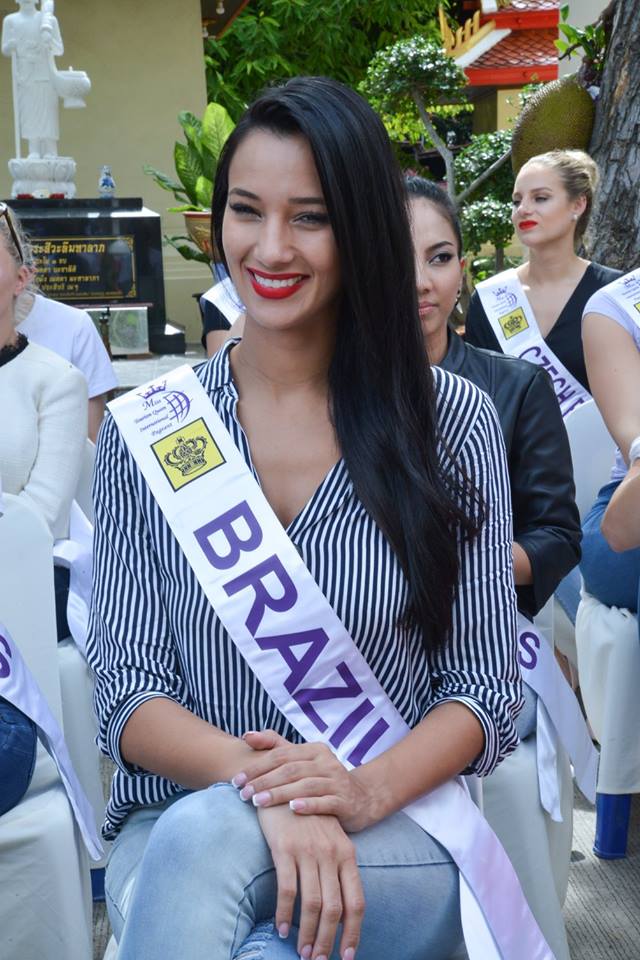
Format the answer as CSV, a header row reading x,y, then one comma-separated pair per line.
x,y
466,36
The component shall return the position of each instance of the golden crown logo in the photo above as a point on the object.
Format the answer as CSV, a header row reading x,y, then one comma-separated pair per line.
x,y
188,455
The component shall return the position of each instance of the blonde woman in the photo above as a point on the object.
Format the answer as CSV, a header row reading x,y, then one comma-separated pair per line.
x,y
43,408
535,311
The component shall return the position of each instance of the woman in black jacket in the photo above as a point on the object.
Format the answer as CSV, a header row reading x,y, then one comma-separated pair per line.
x,y
546,528
546,525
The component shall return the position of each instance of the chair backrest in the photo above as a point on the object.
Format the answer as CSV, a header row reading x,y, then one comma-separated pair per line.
x,y
27,604
83,489
592,452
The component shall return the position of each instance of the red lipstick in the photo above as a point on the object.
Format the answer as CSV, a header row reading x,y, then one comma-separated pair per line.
x,y
527,225
277,289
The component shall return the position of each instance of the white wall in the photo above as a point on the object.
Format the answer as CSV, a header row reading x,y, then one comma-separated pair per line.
x,y
145,61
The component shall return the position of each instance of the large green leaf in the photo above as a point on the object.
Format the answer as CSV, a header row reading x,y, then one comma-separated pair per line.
x,y
209,164
188,167
216,127
192,127
204,192
189,253
167,183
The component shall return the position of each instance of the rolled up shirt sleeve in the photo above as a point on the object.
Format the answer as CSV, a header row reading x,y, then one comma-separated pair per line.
x,y
478,665
129,647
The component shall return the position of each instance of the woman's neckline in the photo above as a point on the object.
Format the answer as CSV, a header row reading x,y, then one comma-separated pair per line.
x,y
566,305
11,350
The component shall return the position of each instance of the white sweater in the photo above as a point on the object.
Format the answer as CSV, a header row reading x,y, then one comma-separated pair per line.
x,y
43,426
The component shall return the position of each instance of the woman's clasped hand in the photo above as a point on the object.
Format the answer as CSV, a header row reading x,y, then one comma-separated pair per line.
x,y
307,776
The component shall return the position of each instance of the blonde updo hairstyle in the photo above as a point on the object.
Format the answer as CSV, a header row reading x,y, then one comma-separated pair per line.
x,y
579,175
23,301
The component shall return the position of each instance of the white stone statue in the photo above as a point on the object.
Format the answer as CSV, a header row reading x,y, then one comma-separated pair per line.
x,y
31,37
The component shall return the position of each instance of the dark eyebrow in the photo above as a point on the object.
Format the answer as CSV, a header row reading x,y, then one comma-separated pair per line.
x,y
301,200
440,243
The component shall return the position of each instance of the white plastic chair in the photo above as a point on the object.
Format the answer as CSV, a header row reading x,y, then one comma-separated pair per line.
x,y
592,453
538,847
607,654
76,681
45,909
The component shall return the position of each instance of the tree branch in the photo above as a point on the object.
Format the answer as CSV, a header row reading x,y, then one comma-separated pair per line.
x,y
483,176
437,141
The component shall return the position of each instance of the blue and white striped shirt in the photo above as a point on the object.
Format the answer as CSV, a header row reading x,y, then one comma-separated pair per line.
x,y
153,632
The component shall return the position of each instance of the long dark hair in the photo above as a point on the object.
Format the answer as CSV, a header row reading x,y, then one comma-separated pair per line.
x,y
421,189
381,387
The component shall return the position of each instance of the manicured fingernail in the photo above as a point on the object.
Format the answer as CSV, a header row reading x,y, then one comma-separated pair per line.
x,y
248,733
296,806
349,954
306,952
247,792
239,780
261,799
283,931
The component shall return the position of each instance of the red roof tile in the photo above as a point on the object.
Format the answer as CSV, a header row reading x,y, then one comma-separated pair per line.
x,y
522,48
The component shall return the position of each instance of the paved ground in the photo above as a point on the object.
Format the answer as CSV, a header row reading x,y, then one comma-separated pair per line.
x,y
603,903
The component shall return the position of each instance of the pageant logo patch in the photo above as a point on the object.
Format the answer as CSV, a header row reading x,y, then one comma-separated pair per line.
x,y
187,453
513,323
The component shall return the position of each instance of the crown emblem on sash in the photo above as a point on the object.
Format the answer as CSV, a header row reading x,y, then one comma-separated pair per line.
x,y
188,455
153,390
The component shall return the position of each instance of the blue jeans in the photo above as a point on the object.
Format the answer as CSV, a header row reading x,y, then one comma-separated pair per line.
x,y
18,743
193,878
612,578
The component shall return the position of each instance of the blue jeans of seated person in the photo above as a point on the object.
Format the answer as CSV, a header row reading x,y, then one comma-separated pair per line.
x,y
612,578
193,878
18,743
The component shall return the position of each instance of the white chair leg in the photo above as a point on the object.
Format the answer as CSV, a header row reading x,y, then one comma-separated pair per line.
x,y
539,849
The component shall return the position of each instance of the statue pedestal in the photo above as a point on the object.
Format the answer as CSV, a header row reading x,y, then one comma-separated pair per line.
x,y
93,253
40,177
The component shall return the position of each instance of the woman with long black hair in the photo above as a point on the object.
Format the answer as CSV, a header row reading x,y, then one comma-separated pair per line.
x,y
391,484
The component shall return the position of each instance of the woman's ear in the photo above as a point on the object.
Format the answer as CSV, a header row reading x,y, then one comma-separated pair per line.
x,y
22,280
579,206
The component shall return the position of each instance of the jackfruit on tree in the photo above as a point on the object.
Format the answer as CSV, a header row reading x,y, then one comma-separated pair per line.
x,y
559,116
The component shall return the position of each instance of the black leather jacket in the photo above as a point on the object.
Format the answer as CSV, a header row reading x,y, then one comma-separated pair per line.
x,y
546,523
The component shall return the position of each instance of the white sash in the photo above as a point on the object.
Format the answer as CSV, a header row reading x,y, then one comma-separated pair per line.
x,y
76,553
558,714
294,642
19,687
626,293
514,324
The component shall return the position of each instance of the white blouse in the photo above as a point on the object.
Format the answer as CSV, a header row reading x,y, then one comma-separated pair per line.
x,y
43,427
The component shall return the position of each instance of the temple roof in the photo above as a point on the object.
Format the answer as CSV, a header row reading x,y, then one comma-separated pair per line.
x,y
505,44
520,57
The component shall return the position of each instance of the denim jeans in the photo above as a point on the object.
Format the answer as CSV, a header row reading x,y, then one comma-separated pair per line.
x,y
18,743
612,578
193,878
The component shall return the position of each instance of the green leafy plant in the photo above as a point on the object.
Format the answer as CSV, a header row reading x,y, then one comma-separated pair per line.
x,y
487,221
589,42
196,162
417,74
272,40
487,217
480,155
